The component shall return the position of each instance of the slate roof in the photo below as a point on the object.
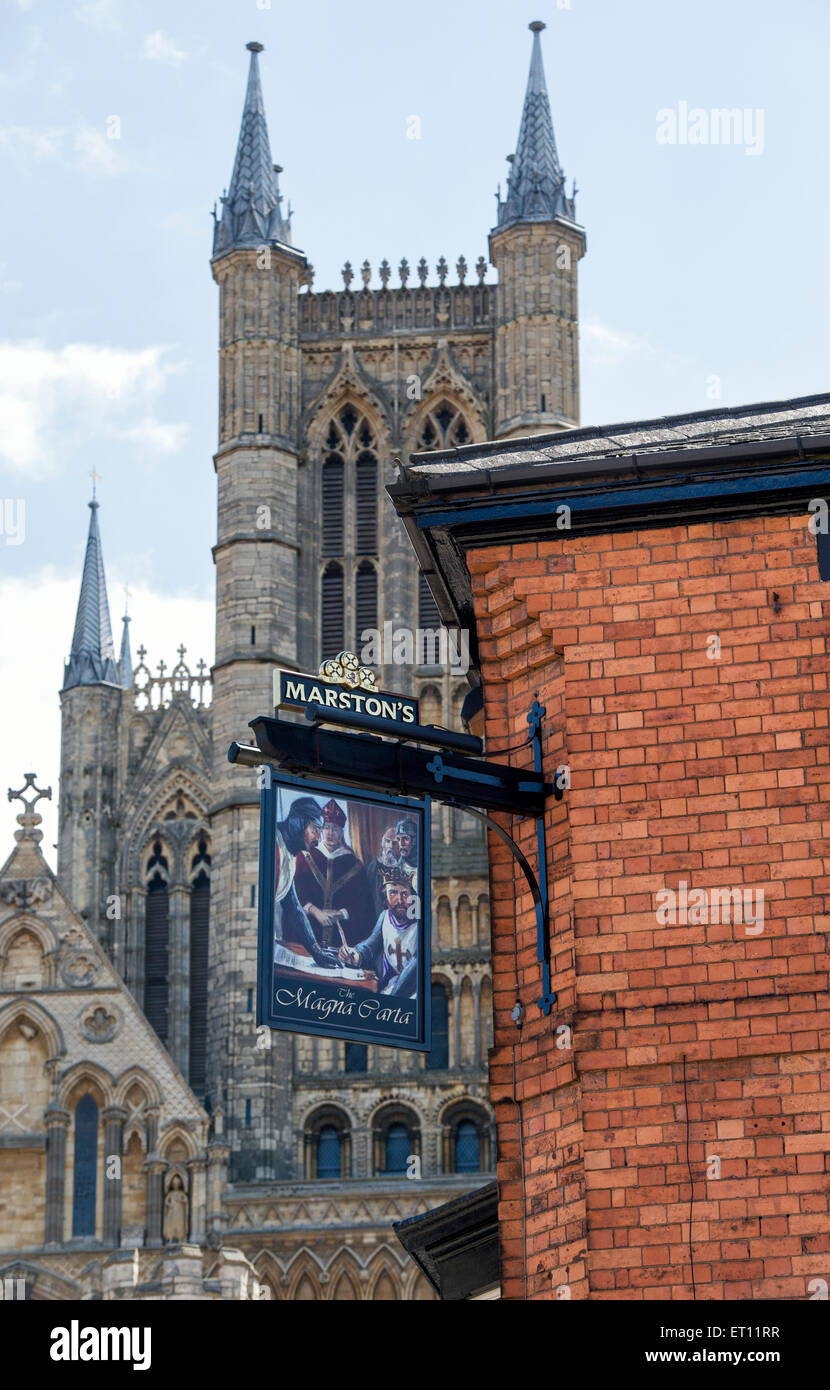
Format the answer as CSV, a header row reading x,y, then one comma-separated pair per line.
x,y
536,184
251,212
753,425
92,658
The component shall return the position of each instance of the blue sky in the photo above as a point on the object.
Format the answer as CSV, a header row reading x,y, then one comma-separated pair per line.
x,y
706,279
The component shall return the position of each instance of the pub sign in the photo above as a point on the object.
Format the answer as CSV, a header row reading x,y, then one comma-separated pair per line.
x,y
344,913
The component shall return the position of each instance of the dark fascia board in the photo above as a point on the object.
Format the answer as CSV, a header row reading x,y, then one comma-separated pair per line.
x,y
493,508
456,1245
622,464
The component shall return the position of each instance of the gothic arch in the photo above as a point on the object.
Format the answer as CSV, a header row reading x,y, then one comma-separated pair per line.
x,y
86,1076
269,1271
418,1288
173,1132
165,787
345,1269
43,931
25,1009
27,955
305,1276
444,382
384,1277
344,1288
349,384
137,1076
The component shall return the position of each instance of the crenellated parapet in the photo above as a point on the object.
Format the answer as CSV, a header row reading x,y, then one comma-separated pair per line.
x,y
420,307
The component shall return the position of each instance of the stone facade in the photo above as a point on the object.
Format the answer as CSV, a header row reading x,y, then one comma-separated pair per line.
x,y
316,389
105,1154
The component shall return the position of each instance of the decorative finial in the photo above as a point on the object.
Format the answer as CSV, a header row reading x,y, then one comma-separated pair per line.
x,y
258,47
30,817
535,27
403,271
461,270
126,603
423,270
347,274
481,269
441,268
96,478
384,272
366,274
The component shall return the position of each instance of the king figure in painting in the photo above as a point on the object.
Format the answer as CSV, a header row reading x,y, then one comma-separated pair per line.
x,y
391,951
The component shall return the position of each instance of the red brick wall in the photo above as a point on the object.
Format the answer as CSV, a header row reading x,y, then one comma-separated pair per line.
x,y
683,767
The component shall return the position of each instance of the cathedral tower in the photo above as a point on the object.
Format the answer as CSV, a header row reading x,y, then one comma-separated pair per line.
x,y
259,275
536,247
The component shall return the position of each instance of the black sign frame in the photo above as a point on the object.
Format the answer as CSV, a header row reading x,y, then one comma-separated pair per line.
x,y
266,1015
387,704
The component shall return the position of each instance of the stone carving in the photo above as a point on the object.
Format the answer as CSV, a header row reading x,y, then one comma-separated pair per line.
x,y
175,1210
79,969
100,1023
26,892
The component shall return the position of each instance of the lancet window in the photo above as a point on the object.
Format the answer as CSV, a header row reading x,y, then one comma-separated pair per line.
x,y
349,532
444,427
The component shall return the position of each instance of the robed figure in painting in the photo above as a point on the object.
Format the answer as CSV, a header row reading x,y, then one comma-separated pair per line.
x,y
385,860
391,951
332,886
300,830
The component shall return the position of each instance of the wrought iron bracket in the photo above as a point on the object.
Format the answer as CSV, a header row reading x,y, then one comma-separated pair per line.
x,y
364,759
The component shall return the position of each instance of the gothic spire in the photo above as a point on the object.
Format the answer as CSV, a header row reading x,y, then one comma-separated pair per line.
x,y
125,660
251,207
536,183
92,658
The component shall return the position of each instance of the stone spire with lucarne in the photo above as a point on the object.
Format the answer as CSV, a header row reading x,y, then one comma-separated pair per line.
x,y
536,183
92,658
251,207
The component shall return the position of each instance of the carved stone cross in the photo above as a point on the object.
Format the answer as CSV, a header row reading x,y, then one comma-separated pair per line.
x,y
29,782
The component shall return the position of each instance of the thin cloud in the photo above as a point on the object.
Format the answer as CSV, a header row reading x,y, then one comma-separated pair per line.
x,y
50,397
160,48
98,14
33,142
96,152
604,346
163,438
45,603
88,148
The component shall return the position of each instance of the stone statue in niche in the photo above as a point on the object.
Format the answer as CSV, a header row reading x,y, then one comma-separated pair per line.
x,y
175,1211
